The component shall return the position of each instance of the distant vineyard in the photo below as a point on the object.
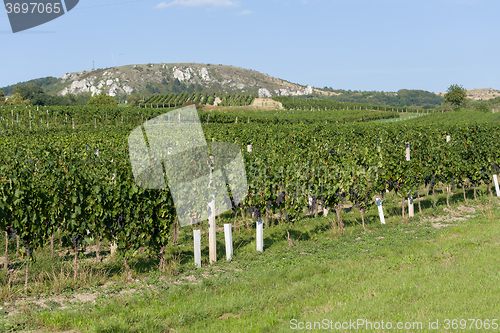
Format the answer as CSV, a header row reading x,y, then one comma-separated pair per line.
x,y
310,104
174,100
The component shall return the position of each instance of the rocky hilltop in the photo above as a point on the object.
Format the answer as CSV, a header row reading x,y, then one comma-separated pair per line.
x,y
483,94
163,77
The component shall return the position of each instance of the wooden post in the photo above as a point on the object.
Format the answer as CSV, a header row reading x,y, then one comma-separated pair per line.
x,y
6,258
113,248
197,248
380,210
260,236
228,234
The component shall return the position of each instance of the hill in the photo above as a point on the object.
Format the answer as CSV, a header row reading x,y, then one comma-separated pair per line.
x,y
402,98
483,94
147,79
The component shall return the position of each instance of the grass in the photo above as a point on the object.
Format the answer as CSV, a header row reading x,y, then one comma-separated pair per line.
x,y
403,271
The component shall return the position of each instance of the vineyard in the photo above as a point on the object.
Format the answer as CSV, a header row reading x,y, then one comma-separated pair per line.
x,y
174,100
57,116
67,177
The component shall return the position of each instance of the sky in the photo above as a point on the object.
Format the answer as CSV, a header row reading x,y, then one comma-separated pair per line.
x,y
382,45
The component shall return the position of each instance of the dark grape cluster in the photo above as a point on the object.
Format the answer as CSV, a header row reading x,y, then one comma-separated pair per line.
x,y
11,232
269,204
119,219
76,240
280,198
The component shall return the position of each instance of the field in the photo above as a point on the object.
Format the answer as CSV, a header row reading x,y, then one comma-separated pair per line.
x,y
59,181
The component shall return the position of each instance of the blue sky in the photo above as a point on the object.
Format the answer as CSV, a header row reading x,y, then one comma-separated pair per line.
x,y
383,45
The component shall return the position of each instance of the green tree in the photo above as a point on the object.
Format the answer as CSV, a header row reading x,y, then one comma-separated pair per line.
x,y
102,100
32,92
483,108
17,100
2,98
456,95
133,99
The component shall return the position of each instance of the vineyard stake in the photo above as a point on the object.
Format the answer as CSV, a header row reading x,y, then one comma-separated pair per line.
x,y
380,211
260,236
228,234
407,146
495,180
411,212
197,248
212,243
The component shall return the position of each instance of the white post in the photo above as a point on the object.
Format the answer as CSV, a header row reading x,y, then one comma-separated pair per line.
x,y
380,211
249,148
411,212
236,120
495,180
212,245
260,236
229,241
448,138
197,248
407,146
